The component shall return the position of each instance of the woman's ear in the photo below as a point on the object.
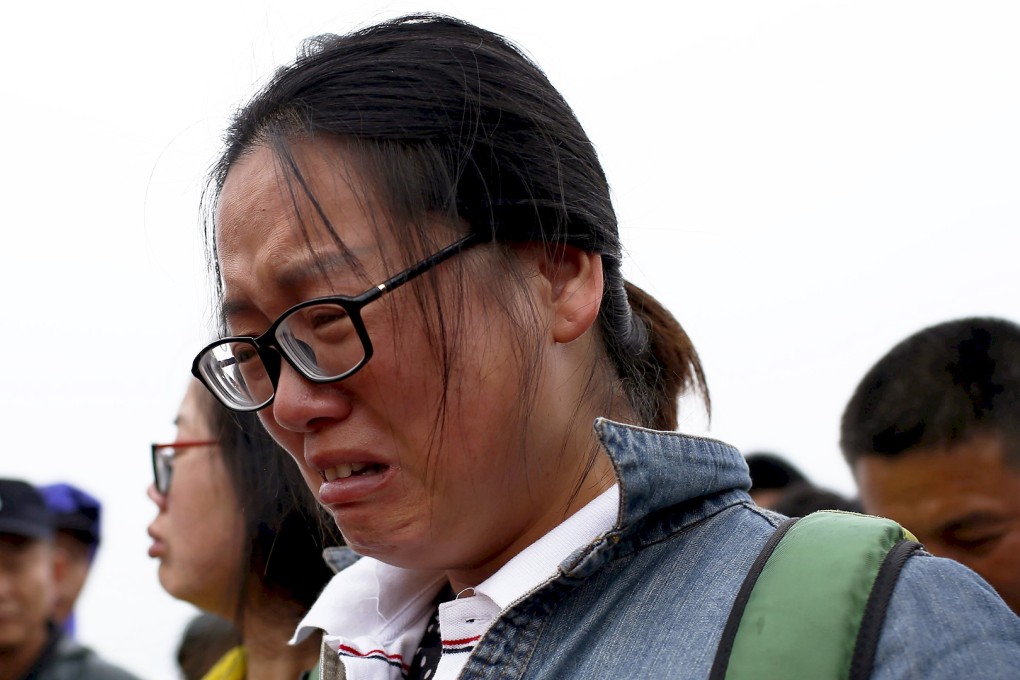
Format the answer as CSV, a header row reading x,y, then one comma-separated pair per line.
x,y
575,284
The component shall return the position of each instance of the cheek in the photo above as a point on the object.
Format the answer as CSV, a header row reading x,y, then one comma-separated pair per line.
x,y
200,568
75,576
293,443
1001,567
42,587
202,511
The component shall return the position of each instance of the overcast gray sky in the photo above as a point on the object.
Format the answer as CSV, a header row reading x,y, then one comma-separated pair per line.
x,y
802,183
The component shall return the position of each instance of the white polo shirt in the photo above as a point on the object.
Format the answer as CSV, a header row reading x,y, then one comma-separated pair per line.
x,y
383,610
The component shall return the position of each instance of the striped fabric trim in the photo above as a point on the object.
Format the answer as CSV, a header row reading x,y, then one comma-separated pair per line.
x,y
395,660
460,646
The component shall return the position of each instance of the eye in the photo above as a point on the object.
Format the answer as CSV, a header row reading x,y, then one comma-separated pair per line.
x,y
976,535
322,317
244,354
980,543
322,324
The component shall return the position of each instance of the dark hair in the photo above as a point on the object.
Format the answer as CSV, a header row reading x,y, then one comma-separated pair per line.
x,y
802,498
770,471
285,530
444,118
940,386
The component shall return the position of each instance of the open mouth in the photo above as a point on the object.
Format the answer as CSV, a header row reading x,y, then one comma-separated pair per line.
x,y
344,470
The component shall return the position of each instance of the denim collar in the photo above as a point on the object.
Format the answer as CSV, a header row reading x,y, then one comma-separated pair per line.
x,y
693,477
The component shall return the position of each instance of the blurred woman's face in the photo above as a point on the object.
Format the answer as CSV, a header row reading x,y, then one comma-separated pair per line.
x,y
198,532
418,482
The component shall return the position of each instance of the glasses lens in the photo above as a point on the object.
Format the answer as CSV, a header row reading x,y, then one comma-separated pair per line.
x,y
162,466
322,341
235,373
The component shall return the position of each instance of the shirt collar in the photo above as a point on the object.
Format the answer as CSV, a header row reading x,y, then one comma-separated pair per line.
x,y
539,561
655,470
381,600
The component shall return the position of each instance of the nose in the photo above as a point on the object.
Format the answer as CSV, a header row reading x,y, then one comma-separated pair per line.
x,y
156,497
303,406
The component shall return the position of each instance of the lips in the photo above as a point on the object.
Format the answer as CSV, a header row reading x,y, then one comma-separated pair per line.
x,y
349,481
158,547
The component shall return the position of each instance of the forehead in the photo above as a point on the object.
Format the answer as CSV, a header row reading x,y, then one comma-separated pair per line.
x,y
275,229
935,485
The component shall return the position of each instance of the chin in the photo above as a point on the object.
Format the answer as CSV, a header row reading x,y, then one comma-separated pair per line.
x,y
177,587
201,597
167,580
406,552
12,636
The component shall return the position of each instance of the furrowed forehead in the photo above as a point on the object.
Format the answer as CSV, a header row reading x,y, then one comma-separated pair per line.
x,y
282,240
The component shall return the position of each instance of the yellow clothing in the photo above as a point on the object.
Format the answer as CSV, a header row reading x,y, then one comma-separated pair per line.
x,y
232,666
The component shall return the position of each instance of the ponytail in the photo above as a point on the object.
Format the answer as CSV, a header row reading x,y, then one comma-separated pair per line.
x,y
653,355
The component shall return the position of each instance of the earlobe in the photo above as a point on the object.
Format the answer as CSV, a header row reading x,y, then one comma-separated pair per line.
x,y
575,280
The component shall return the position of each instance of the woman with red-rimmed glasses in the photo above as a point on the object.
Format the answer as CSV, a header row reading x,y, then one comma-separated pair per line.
x,y
238,535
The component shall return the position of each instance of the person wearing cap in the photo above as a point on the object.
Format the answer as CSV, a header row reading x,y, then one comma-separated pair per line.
x,y
32,646
76,520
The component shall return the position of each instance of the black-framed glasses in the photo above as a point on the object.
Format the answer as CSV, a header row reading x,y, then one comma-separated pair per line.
x,y
163,456
324,340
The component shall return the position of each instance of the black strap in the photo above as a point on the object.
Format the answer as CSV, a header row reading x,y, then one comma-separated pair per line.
x,y
878,604
722,654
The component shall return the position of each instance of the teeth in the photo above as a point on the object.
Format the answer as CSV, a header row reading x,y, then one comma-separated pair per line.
x,y
344,470
341,471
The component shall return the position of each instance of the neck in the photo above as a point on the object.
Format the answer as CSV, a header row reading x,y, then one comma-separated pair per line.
x,y
15,662
269,656
582,459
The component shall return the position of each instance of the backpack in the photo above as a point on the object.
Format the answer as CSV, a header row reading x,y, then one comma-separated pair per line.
x,y
814,601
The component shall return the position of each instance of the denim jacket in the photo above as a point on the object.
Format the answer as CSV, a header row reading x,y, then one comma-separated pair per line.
x,y
650,598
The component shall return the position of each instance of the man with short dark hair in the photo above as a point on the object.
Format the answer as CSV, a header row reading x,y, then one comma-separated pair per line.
x,y
932,435
31,646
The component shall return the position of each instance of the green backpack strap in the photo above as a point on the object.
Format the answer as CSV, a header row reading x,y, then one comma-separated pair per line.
x,y
814,602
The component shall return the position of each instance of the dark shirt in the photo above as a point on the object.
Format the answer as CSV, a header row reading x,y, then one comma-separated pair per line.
x,y
64,659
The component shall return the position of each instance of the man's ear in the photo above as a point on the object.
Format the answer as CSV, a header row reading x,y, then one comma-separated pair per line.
x,y
575,288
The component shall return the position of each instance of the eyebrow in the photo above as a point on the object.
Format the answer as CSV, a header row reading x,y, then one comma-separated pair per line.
x,y
231,308
292,275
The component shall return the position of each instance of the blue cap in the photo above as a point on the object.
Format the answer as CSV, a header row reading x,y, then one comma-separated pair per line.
x,y
23,511
74,511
